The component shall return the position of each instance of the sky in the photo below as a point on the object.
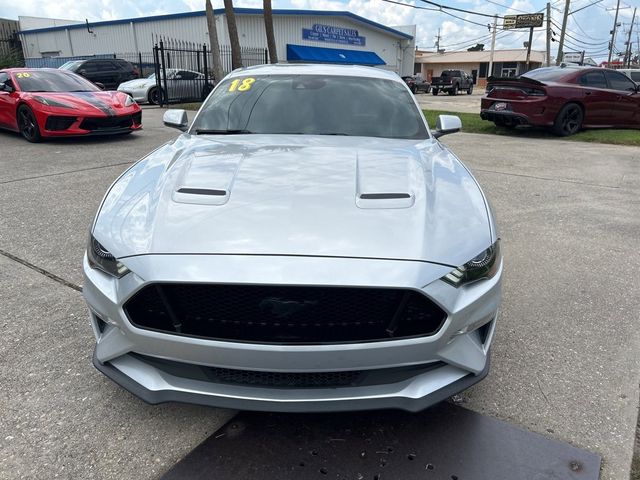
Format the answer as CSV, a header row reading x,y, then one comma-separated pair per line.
x,y
588,28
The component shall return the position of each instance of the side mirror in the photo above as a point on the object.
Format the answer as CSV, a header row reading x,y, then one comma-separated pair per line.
x,y
176,118
82,72
99,85
447,124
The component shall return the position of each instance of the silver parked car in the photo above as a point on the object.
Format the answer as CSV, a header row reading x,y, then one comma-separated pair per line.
x,y
307,244
181,85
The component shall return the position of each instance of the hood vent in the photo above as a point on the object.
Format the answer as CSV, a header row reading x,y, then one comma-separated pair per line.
x,y
383,196
201,196
203,191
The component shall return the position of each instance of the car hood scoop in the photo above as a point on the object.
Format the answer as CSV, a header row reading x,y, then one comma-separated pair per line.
x,y
206,178
297,195
384,181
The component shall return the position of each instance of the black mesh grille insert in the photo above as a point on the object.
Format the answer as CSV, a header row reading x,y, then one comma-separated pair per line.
x,y
57,122
107,123
284,314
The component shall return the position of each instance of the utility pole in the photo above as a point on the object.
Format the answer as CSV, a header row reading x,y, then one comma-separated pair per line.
x,y
548,34
529,48
613,35
438,42
493,45
629,51
564,29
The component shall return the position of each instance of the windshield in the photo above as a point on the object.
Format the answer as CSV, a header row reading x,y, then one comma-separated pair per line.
x,y
546,74
311,105
53,81
70,65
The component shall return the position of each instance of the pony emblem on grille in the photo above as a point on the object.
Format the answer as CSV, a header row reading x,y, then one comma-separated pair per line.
x,y
282,308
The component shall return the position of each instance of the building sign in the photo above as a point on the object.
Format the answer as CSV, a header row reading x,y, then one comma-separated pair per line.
x,y
573,57
529,20
327,33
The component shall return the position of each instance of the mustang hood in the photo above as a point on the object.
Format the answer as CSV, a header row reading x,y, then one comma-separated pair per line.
x,y
295,195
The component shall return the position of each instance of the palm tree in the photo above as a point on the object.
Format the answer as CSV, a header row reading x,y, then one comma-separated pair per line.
x,y
236,56
213,41
268,26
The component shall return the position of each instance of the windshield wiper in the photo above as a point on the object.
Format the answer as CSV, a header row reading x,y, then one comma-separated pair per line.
x,y
202,131
334,133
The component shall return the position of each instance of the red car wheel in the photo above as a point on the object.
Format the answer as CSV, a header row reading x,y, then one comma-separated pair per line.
x,y
28,125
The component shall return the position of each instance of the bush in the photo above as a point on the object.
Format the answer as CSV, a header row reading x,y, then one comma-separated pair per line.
x,y
11,58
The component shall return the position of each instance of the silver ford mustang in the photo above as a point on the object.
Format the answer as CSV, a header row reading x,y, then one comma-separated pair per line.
x,y
307,244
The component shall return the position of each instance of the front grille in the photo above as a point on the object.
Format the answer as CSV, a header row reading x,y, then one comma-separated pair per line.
x,y
107,123
253,378
58,122
284,314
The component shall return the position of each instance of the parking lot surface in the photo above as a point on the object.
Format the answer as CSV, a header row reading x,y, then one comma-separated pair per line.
x,y
565,360
449,103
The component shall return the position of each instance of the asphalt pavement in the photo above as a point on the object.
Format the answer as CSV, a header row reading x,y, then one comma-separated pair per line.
x,y
565,361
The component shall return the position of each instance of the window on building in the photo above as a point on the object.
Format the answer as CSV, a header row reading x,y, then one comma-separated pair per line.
x,y
509,69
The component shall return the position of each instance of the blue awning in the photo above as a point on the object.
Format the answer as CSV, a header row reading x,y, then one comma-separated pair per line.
x,y
302,53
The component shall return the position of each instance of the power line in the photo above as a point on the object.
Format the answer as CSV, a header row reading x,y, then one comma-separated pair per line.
x,y
591,44
462,10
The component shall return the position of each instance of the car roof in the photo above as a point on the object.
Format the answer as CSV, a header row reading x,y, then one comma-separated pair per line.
x,y
27,69
317,69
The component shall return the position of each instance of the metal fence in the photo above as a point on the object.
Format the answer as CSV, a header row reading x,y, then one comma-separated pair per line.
x,y
181,72
184,70
55,62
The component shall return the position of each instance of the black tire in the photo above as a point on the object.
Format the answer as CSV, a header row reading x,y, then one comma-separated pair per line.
x,y
28,125
414,90
569,120
499,122
155,96
470,91
428,89
434,91
454,90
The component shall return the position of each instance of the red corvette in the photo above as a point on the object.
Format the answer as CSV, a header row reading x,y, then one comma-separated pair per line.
x,y
565,99
45,102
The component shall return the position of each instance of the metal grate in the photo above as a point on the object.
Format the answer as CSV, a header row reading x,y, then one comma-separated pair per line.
x,y
109,123
284,314
284,379
56,122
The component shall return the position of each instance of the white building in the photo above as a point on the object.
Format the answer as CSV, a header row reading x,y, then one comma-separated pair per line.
x,y
301,35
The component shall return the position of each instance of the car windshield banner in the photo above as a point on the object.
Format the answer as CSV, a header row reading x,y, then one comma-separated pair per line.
x,y
327,33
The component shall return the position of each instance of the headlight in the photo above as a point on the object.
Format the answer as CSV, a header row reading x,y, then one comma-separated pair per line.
x,y
100,258
129,101
482,266
50,102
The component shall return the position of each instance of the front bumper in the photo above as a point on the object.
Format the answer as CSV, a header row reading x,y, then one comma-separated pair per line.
x,y
140,95
66,126
435,367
